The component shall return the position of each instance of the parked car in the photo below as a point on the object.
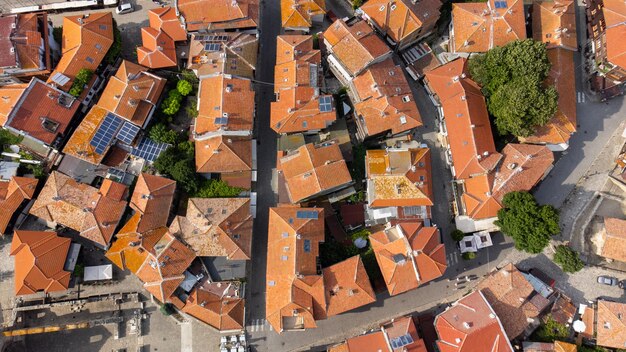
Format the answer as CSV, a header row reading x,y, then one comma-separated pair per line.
x,y
542,276
607,280
124,7
621,284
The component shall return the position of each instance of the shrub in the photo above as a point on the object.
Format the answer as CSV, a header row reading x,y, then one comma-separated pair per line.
x,y
363,233
568,259
457,235
161,133
189,76
184,87
357,197
192,108
356,4
468,255
6,138
167,309
80,81
550,331
171,104
217,189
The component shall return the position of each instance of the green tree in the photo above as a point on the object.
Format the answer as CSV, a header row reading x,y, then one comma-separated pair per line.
x,y
192,108
189,76
6,138
184,87
512,78
116,48
171,104
178,163
457,235
568,259
356,4
80,81
162,133
550,331
184,172
217,189
531,225
468,255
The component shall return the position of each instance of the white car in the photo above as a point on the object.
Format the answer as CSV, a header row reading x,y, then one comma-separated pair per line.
x,y
124,8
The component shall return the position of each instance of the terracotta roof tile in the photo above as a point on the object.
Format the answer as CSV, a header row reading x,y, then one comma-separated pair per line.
x,y
10,95
611,324
220,312
158,49
560,346
399,177
152,198
236,55
347,286
469,130
405,20
289,264
614,239
313,170
223,154
426,260
86,40
384,100
39,262
131,86
471,325
554,23
356,46
219,14
215,227
509,293
38,102
298,110
224,96
615,16
79,145
403,326
559,129
165,19
12,194
479,27
374,341
80,207
24,44
300,13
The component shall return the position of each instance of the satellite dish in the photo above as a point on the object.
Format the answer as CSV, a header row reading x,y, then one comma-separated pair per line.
x,y
579,326
360,243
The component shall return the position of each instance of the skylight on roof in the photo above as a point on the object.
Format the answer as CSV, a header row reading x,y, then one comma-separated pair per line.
x,y
401,341
325,103
500,4
305,214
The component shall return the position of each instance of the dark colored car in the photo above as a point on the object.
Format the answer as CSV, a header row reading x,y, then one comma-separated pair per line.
x,y
542,276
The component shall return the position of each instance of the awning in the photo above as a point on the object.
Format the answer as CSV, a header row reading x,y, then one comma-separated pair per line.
x,y
97,273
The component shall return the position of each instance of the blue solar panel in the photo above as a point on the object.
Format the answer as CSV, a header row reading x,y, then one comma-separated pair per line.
x,y
500,4
105,133
305,214
127,133
325,104
149,149
221,120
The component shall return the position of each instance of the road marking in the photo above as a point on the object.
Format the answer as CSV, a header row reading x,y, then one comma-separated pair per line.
x,y
580,97
185,337
453,258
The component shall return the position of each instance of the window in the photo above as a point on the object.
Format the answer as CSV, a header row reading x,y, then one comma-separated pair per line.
x,y
98,46
420,164
271,283
411,211
283,258
406,98
89,59
103,27
422,178
307,246
236,236
305,124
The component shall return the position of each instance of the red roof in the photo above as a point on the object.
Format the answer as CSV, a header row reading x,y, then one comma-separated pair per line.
x,y
471,325
39,262
12,194
152,198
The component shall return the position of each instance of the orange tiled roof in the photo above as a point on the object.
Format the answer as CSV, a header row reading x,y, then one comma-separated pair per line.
x,y
39,262
223,313
158,49
374,341
399,177
522,167
152,198
216,227
559,129
355,46
560,346
236,54
614,239
554,23
223,154
299,13
163,269
405,19
132,93
24,44
615,16
12,193
312,170
165,19
479,27
404,326
347,286
79,145
409,255
298,110
224,96
509,292
10,95
86,40
39,101
471,325
611,324
292,282
469,129
90,211
219,14
384,100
